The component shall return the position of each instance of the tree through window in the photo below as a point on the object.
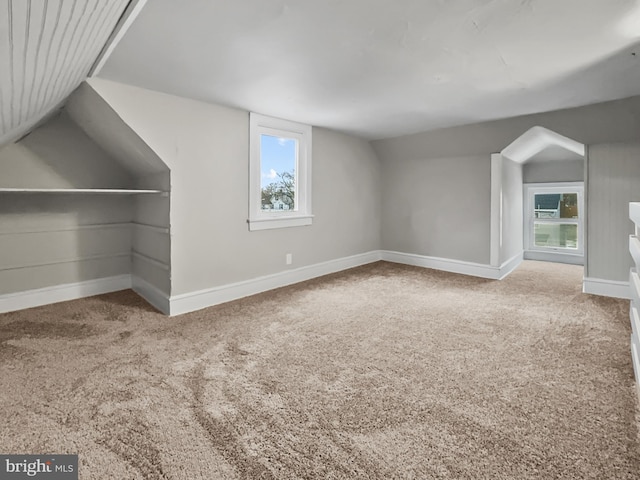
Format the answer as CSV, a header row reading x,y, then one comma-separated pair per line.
x,y
280,169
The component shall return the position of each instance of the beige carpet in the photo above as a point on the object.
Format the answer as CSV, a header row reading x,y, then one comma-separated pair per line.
x,y
383,371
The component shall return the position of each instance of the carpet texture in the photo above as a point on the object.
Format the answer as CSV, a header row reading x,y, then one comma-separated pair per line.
x,y
383,371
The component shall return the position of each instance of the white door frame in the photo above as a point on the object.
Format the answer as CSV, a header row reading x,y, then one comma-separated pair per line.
x,y
527,145
496,209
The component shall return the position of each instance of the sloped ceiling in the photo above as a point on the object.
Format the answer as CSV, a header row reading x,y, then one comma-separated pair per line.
x,y
381,68
47,47
103,125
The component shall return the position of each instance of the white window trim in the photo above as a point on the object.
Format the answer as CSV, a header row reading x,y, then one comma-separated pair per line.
x,y
530,189
263,220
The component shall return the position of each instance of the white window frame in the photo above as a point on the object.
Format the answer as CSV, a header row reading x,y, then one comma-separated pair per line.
x,y
260,219
530,190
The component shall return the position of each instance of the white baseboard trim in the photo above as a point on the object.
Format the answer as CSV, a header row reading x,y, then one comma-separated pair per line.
x,y
151,294
189,302
635,361
606,288
454,266
510,265
554,257
61,293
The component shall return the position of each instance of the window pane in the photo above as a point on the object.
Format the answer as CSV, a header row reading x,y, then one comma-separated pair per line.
x,y
278,165
569,205
555,205
547,205
556,235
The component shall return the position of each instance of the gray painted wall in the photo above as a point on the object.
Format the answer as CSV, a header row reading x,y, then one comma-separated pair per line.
x,y
437,207
103,125
48,239
54,239
206,147
553,171
151,238
613,180
409,158
412,200
512,210
616,121
60,155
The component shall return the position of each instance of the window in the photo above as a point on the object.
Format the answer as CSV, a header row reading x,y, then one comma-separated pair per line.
x,y
553,216
280,173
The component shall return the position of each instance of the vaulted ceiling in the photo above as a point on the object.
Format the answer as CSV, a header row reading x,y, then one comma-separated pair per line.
x,y
381,68
47,48
375,68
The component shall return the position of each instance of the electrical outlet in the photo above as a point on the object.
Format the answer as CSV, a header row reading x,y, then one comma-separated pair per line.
x,y
289,259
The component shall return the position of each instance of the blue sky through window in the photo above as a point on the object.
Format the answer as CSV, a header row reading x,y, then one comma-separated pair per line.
x,y
277,155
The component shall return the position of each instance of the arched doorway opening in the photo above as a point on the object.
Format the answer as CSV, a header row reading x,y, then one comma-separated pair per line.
x,y
537,169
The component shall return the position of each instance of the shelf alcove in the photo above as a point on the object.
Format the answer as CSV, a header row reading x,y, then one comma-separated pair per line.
x,y
84,209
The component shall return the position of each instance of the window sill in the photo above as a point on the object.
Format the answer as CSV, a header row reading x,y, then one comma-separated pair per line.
x,y
554,256
280,222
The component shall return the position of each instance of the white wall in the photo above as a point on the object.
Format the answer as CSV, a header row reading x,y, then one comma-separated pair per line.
x,y
512,210
206,147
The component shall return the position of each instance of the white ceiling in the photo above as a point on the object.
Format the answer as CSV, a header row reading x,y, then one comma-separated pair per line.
x,y
47,48
382,68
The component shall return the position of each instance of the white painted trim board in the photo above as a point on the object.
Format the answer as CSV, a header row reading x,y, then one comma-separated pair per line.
x,y
636,364
606,288
152,294
61,293
510,265
454,266
554,257
496,210
536,139
192,301
184,303
188,302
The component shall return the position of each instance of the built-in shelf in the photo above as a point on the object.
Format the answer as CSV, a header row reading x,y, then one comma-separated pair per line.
x,y
108,191
634,285
634,250
74,228
634,212
635,323
151,260
153,228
